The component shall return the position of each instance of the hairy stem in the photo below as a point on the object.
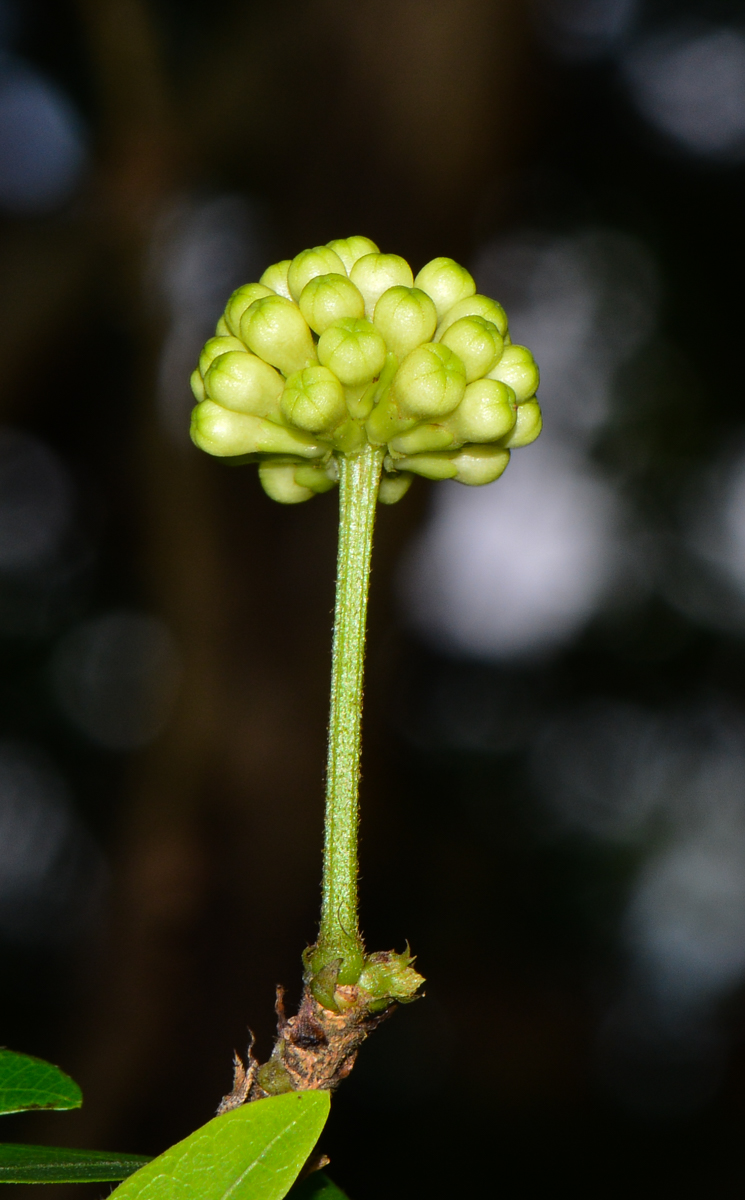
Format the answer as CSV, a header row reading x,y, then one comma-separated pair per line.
x,y
339,937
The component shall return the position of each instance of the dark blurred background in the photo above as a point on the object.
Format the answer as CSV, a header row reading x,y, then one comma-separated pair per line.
x,y
554,770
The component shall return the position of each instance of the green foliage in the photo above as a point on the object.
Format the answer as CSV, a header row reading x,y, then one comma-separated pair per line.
x,y
316,1186
27,1082
255,1152
47,1164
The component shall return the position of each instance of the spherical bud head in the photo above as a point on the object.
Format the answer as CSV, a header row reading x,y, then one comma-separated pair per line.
x,y
352,248
353,349
214,347
329,298
447,282
242,298
373,274
394,487
486,413
314,400
477,343
430,382
275,277
528,425
474,306
517,368
279,483
320,260
477,465
406,317
226,434
276,330
244,383
197,386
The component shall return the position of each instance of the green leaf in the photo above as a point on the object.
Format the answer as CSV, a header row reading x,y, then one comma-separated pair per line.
x,y
255,1152
316,1186
47,1164
27,1082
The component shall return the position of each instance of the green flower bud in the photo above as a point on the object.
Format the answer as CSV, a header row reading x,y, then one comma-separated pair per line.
x,y
477,465
244,383
394,487
279,483
309,263
474,306
242,298
318,478
517,368
314,400
406,317
225,433
477,343
275,277
360,400
353,349
329,298
350,249
216,346
348,437
431,466
221,329
486,413
446,282
527,427
423,438
197,386
275,329
429,383
373,274
386,421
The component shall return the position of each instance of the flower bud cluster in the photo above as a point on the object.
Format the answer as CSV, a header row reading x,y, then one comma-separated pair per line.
x,y
342,347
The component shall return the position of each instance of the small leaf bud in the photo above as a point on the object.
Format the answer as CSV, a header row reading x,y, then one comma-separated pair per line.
x,y
406,317
422,439
216,346
275,277
309,263
477,343
319,479
486,413
197,386
477,465
394,487
240,300
225,433
527,427
474,306
352,248
353,349
314,400
446,282
431,466
275,329
429,383
517,368
244,383
279,483
373,274
329,298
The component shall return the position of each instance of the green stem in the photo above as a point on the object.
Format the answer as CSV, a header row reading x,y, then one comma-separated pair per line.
x,y
339,936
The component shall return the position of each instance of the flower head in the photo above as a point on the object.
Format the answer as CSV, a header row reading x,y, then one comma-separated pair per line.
x,y
341,347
